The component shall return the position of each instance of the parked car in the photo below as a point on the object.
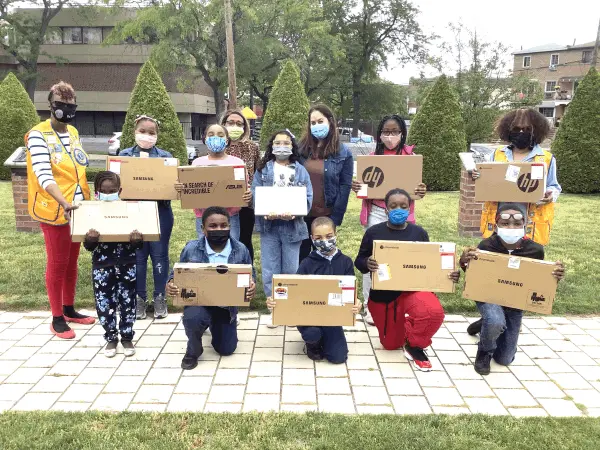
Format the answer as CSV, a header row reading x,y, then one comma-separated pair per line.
x,y
481,152
114,144
362,137
192,153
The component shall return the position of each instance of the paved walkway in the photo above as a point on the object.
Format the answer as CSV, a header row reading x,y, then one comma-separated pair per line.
x,y
556,372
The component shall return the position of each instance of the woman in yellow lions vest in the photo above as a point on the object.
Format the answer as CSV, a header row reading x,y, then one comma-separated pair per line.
x,y
525,129
56,178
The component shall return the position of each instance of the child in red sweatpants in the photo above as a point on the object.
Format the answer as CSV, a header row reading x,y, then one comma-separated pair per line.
x,y
404,319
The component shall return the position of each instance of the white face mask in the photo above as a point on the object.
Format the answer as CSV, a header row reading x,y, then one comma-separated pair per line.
x,y
145,141
511,235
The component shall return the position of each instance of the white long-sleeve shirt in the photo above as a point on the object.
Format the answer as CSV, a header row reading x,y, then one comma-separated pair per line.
x,y
40,156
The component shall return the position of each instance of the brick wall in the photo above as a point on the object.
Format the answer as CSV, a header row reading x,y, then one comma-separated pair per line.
x,y
19,185
469,213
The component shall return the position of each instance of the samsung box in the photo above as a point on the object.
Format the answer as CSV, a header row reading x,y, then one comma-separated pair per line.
x,y
523,182
212,284
280,200
115,220
314,300
205,186
145,178
379,174
414,266
521,283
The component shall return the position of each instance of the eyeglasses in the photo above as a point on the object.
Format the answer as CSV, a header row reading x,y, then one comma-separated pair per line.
x,y
506,216
233,123
391,133
520,129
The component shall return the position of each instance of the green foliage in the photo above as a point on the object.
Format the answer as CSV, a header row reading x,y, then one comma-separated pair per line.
x,y
577,143
288,105
438,132
17,117
383,97
150,97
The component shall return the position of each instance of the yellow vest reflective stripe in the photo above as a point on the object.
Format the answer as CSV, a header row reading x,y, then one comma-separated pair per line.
x,y
68,170
540,217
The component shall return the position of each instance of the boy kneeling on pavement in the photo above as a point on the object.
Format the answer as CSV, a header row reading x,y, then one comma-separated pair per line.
x,y
217,247
499,326
324,342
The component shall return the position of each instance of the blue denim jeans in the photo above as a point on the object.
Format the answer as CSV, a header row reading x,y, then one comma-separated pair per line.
x,y
222,324
234,224
499,331
277,254
332,339
159,254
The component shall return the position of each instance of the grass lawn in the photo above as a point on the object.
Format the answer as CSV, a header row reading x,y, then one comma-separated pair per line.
x,y
40,430
22,255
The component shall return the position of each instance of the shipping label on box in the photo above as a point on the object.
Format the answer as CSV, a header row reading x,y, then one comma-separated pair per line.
x,y
414,266
280,200
145,178
523,182
512,281
314,300
115,220
379,174
212,284
205,186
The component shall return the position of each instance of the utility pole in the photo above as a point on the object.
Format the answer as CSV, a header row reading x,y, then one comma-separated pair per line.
x,y
595,54
230,56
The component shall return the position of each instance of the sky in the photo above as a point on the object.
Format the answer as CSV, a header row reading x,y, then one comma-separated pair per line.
x,y
516,23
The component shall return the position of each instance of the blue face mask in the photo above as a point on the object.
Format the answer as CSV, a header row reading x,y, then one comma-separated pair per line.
x,y
108,197
320,130
398,216
216,144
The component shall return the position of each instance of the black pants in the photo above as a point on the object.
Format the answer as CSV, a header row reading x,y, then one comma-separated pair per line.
x,y
247,228
306,247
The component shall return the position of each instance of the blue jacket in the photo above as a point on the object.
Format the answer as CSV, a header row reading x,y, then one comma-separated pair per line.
x,y
297,228
339,169
195,252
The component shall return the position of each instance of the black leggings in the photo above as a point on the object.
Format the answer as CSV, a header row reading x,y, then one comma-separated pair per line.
x,y
247,228
306,247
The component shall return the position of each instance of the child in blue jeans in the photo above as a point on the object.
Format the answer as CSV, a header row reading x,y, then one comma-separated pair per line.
x,y
113,274
324,342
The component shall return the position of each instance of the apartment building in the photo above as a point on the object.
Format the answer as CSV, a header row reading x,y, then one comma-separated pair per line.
x,y
104,75
558,69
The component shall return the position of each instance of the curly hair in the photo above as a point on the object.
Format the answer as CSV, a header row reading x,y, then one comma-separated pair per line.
x,y
269,151
103,176
64,90
231,112
379,147
309,145
540,127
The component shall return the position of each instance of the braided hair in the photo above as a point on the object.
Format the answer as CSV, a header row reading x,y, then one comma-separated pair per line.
x,y
101,177
379,147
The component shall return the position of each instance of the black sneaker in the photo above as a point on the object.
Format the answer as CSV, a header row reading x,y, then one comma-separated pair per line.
x,y
482,363
189,362
313,351
418,356
475,327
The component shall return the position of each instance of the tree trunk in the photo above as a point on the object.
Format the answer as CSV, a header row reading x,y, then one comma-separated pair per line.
x,y
219,99
30,85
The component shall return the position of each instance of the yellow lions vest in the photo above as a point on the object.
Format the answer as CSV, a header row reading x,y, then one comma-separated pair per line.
x,y
68,169
540,217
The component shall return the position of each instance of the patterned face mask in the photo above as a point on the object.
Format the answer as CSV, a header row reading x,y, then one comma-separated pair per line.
x,y
216,144
325,246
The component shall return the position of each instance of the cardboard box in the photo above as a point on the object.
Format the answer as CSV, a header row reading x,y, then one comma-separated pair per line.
x,y
414,266
206,186
379,174
522,182
314,300
115,220
145,178
212,284
280,200
521,283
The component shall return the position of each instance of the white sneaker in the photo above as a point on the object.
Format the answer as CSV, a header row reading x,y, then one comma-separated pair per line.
x,y
238,321
128,348
270,321
111,349
368,318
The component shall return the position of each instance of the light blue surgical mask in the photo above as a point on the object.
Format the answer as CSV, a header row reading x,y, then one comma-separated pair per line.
x,y
216,144
320,130
108,197
511,235
398,216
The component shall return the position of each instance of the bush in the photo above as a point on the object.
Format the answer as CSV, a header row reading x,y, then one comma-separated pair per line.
x,y
577,143
288,105
150,97
17,117
438,133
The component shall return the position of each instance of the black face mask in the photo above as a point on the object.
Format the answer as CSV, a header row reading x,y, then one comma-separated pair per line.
x,y
521,139
63,112
217,237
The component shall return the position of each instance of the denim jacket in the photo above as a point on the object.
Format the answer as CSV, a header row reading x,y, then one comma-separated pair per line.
x,y
195,252
154,152
339,169
297,228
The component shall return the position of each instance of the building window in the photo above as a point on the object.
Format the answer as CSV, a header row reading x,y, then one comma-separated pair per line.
x,y
92,35
72,35
547,112
554,60
586,56
53,36
526,61
550,85
106,32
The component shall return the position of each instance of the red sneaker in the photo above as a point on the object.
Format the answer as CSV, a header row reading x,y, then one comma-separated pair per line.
x,y
84,320
418,357
68,334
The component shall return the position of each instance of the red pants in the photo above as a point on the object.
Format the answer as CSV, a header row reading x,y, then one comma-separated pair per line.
x,y
61,266
414,317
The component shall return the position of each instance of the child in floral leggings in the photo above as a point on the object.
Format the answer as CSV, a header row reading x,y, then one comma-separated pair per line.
x,y
113,274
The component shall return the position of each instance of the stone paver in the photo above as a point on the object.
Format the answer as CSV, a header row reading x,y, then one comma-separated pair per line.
x,y
556,371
